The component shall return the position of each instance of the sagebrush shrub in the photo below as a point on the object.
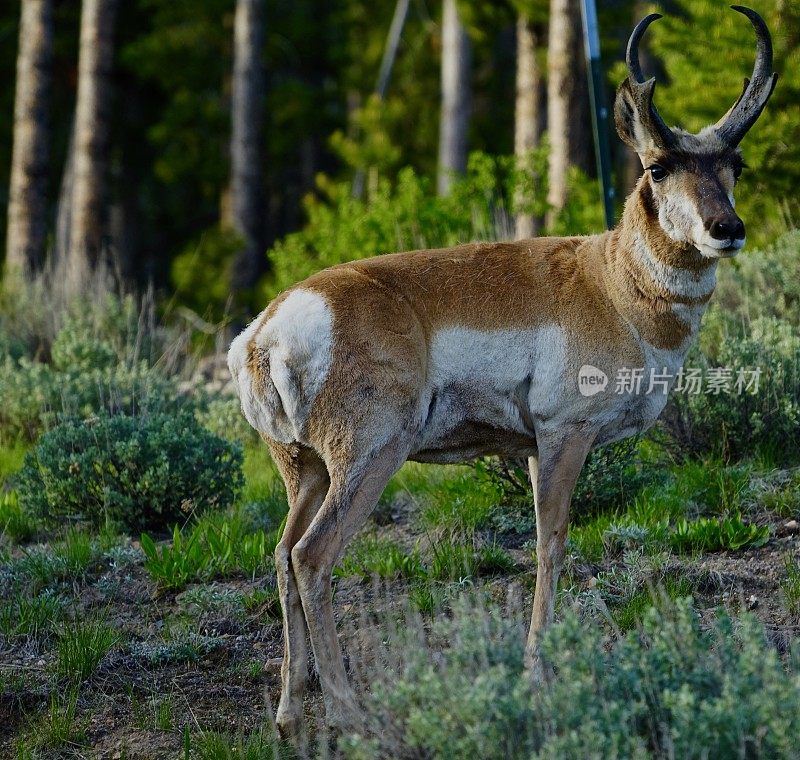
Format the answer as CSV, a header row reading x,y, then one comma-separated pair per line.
x,y
144,472
672,687
101,359
764,419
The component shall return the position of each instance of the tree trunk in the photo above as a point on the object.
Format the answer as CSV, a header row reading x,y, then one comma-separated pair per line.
x,y
92,132
568,117
246,201
64,208
27,198
454,123
527,114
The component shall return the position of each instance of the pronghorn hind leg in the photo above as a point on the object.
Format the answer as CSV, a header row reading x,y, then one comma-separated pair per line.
x,y
554,473
307,483
355,490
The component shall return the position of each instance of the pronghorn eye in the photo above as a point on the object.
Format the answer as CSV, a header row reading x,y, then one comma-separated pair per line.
x,y
657,172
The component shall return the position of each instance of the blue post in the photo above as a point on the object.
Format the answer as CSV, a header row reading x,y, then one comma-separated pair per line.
x,y
591,38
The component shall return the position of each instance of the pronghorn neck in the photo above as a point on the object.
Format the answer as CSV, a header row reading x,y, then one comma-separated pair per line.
x,y
661,286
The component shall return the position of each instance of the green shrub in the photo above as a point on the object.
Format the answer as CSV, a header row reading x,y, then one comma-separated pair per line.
x,y
763,283
37,395
611,477
738,425
670,687
408,215
143,472
101,359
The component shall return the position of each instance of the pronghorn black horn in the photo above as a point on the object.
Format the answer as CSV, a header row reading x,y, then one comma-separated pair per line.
x,y
732,127
642,90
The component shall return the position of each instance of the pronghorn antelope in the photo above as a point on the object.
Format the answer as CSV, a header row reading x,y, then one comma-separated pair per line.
x,y
445,355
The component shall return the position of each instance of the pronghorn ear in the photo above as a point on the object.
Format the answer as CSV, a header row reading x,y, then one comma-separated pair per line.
x,y
633,126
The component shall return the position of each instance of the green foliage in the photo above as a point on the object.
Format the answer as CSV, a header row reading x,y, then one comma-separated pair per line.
x,y
56,728
790,586
611,476
102,359
406,215
369,556
31,616
713,534
173,566
82,647
761,283
463,503
217,545
43,567
765,418
141,472
670,687
259,745
15,522
201,273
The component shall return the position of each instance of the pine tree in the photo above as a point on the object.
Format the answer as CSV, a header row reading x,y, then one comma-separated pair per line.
x,y
27,205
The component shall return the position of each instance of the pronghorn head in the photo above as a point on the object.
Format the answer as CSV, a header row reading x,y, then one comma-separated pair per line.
x,y
691,177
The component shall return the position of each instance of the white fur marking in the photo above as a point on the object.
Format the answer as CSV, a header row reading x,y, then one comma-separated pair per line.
x,y
681,282
475,375
297,339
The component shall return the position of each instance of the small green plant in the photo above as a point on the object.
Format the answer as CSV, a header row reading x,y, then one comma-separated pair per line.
x,y
156,711
173,565
82,647
462,503
713,534
260,745
371,556
55,728
218,545
185,646
15,522
262,601
42,567
76,551
790,586
31,616
141,472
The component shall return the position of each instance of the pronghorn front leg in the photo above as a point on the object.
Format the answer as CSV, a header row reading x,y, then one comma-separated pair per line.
x,y
554,472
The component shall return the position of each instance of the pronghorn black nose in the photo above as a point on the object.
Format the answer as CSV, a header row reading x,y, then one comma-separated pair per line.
x,y
727,228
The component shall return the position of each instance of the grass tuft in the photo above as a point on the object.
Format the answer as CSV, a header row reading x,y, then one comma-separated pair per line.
x,y
82,647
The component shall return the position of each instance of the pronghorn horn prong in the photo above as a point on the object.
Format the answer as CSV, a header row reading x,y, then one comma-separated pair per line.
x,y
643,89
732,127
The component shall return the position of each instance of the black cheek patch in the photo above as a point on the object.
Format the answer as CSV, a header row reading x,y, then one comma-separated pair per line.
x,y
648,202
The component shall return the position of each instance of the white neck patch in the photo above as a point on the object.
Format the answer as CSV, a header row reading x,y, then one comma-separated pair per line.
x,y
678,281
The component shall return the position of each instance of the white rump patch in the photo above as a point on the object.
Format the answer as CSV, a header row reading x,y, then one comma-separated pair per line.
x,y
296,343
